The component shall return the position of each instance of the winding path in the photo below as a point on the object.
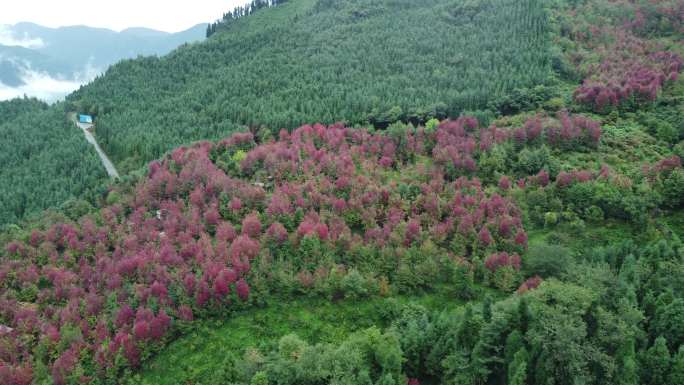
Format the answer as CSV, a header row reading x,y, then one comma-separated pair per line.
x,y
108,165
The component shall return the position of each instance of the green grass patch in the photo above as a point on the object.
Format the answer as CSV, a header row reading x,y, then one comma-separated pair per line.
x,y
194,356
593,235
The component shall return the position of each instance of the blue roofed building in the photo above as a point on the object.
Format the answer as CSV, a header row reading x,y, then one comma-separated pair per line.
x,y
85,119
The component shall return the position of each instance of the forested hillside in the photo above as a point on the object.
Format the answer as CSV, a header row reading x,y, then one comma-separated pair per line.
x,y
537,241
45,160
322,61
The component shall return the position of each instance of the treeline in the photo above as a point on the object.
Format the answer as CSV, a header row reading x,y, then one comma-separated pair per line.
x,y
238,12
10,109
45,160
362,62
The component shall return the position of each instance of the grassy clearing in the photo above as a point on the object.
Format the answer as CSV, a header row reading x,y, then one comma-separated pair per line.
x,y
608,231
195,355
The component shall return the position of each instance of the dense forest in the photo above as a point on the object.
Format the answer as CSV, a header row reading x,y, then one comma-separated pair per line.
x,y
322,61
500,203
238,12
45,160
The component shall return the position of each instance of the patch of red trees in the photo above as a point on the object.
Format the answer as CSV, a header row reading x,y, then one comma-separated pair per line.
x,y
629,67
184,240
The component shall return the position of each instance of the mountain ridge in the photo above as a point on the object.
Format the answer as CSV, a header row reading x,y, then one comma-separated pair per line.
x,y
31,27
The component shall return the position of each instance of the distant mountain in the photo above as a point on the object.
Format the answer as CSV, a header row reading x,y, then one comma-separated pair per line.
x,y
74,54
146,32
103,47
16,61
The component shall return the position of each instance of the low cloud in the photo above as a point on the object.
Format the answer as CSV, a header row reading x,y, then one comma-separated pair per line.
x,y
41,86
46,87
8,37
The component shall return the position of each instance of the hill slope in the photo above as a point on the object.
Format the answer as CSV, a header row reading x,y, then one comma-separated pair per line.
x,y
543,248
304,61
308,60
46,160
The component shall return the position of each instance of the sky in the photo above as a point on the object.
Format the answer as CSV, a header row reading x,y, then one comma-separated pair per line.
x,y
164,15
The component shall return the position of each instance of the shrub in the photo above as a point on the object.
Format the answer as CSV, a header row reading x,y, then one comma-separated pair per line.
x,y
431,125
464,283
593,213
667,132
673,188
550,219
354,285
547,260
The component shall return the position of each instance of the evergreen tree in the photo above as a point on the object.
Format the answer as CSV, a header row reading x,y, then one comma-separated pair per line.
x,y
487,309
628,374
523,315
517,369
677,373
656,363
487,357
464,285
445,329
468,331
259,378
514,342
457,369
